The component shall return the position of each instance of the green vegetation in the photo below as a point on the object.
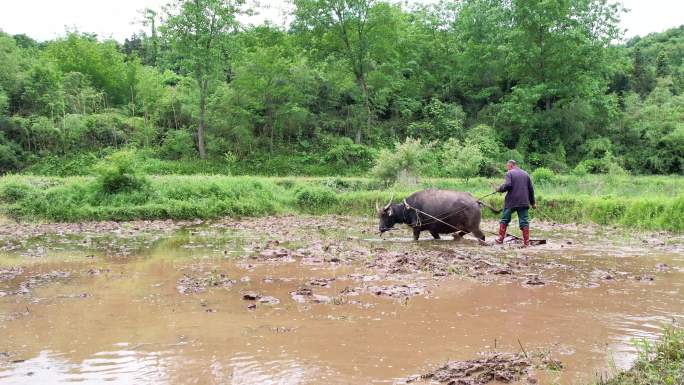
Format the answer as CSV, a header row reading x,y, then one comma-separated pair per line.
x,y
411,95
661,363
478,81
609,200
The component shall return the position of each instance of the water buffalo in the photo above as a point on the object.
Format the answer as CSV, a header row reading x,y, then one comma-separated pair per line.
x,y
458,213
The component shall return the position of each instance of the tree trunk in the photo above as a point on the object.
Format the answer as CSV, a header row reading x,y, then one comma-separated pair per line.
x,y
200,127
366,104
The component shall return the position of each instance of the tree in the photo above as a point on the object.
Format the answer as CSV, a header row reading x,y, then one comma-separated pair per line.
x,y
11,63
643,80
152,52
662,65
199,32
482,37
102,62
345,27
4,102
270,80
560,59
41,91
149,90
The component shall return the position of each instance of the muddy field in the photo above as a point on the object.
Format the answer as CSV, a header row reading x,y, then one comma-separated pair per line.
x,y
325,300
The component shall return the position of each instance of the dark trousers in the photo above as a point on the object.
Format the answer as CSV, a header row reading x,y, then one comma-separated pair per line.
x,y
523,216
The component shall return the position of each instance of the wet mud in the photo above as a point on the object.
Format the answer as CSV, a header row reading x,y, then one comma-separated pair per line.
x,y
500,367
309,300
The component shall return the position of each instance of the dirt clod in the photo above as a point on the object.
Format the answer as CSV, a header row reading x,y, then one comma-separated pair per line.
x,y
322,282
251,296
534,281
10,273
41,279
193,285
662,267
500,367
398,291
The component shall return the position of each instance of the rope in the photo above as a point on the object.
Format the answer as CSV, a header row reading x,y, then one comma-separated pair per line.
x,y
445,214
454,213
449,224
435,218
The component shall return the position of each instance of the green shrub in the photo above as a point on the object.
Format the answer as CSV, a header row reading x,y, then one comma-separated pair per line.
x,y
409,157
78,164
347,153
116,174
515,155
543,175
315,198
581,169
672,216
485,138
178,144
337,184
13,192
8,158
286,183
462,160
608,164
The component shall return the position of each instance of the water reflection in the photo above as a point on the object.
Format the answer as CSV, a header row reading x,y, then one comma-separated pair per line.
x,y
213,337
111,367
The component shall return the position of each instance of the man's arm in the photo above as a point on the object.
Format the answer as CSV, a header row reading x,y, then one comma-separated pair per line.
x,y
507,183
530,187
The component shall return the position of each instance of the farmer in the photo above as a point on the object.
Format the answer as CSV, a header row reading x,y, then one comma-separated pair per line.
x,y
519,197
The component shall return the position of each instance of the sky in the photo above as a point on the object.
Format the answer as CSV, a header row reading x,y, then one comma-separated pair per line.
x,y
47,19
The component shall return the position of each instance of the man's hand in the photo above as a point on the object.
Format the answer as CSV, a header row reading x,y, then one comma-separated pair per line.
x,y
495,187
534,206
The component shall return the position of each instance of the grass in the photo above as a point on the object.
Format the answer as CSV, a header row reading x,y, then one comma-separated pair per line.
x,y
148,161
661,363
652,202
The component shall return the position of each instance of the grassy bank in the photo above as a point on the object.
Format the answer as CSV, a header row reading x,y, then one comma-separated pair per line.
x,y
653,203
661,363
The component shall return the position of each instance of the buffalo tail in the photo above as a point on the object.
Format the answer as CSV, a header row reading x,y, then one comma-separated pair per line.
x,y
489,207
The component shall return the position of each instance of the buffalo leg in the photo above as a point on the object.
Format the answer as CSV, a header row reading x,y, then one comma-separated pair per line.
x,y
416,234
459,235
479,234
434,234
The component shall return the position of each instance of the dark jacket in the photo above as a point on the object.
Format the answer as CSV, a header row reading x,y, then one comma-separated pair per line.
x,y
520,192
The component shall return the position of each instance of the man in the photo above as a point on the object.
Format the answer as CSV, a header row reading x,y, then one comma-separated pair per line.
x,y
519,197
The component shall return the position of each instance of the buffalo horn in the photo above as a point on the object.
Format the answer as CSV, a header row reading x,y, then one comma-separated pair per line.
x,y
390,202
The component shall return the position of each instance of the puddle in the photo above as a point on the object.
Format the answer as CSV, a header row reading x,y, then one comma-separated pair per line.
x,y
311,300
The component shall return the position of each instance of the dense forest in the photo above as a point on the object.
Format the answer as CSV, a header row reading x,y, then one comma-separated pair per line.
x,y
553,84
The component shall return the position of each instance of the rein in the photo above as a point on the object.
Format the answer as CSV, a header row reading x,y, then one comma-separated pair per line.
x,y
420,223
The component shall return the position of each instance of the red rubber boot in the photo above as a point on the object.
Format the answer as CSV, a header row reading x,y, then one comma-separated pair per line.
x,y
502,233
526,236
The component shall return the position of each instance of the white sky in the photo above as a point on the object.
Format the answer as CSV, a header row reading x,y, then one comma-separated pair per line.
x,y
47,19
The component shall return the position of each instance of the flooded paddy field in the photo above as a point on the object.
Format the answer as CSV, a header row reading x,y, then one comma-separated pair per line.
x,y
325,300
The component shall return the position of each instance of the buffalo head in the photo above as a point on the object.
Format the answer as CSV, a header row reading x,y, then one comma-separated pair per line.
x,y
387,215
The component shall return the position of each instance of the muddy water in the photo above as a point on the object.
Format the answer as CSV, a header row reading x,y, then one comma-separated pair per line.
x,y
113,306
